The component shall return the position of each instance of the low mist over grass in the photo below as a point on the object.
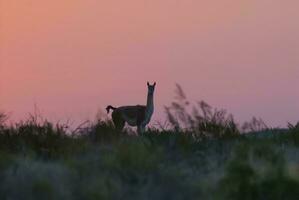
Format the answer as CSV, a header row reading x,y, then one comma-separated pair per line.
x,y
201,153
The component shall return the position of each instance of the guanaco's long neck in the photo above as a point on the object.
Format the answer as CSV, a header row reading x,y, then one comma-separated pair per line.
x,y
150,102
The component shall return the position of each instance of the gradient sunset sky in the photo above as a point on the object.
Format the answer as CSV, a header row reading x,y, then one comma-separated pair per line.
x,y
73,57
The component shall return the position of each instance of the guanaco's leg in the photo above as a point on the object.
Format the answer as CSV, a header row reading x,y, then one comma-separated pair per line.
x,y
140,129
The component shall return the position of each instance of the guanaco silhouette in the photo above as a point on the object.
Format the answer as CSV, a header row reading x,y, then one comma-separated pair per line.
x,y
138,115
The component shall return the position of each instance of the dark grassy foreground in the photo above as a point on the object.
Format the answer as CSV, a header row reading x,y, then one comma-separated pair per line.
x,y
43,161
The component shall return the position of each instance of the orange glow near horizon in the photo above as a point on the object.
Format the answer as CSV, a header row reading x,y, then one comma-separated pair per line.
x,y
73,57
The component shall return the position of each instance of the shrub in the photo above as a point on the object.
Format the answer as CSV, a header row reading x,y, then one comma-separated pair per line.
x,y
201,119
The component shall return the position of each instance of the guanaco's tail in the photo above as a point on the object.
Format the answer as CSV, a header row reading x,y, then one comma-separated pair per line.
x,y
110,107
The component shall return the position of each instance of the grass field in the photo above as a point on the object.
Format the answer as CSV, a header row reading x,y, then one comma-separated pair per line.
x,y
200,154
43,161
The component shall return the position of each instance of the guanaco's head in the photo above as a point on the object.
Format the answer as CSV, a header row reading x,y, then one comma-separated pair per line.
x,y
151,88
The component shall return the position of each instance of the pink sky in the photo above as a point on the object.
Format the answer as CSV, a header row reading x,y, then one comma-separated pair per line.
x,y
73,57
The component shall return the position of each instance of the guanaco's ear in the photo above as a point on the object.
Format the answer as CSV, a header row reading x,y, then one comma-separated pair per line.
x,y
148,84
154,84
